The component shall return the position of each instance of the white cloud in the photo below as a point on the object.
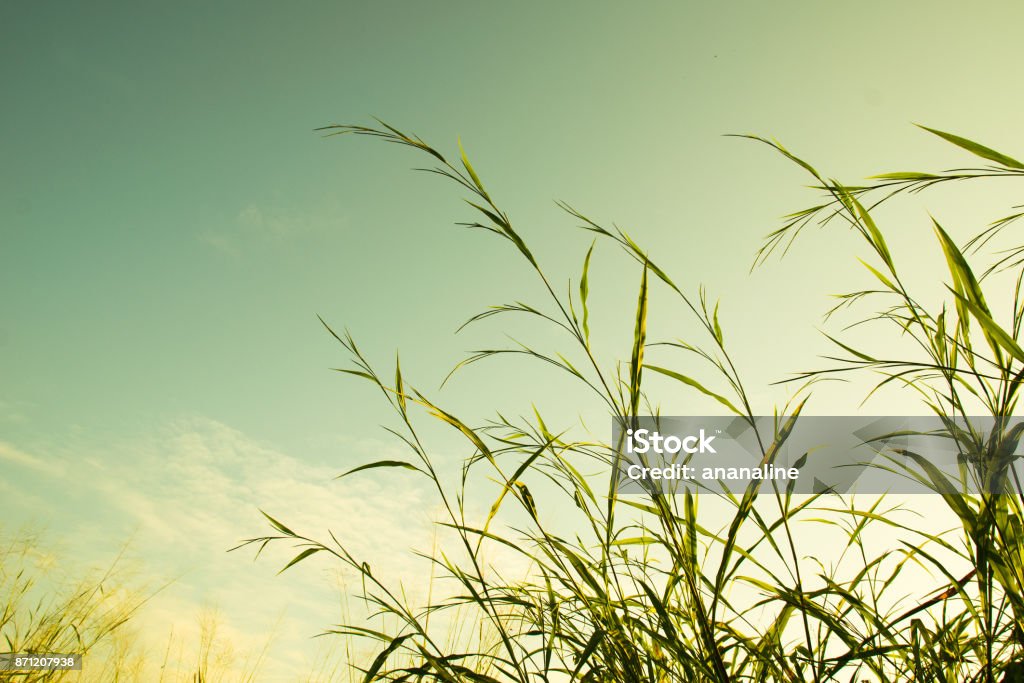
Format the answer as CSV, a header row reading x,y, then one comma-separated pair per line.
x,y
256,224
192,491
13,411
15,456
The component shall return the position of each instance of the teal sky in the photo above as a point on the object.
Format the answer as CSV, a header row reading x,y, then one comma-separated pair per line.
x,y
170,226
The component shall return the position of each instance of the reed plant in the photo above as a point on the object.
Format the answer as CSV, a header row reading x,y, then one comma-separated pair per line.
x,y
657,588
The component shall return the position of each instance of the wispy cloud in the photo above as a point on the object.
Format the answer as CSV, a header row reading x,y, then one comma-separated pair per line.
x,y
13,411
192,491
14,456
256,224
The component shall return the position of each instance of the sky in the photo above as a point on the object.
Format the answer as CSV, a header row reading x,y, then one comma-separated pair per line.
x,y
171,226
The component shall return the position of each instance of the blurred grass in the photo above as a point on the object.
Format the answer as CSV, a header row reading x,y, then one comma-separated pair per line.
x,y
45,611
48,607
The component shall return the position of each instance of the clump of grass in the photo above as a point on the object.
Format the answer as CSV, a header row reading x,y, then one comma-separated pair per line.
x,y
968,363
650,589
45,608
46,612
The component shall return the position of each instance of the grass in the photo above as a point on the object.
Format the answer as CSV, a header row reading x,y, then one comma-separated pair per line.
x,y
99,614
85,616
656,589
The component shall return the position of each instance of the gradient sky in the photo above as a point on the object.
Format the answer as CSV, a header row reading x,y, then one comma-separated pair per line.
x,y
170,226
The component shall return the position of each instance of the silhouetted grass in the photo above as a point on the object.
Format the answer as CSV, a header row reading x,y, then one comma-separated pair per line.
x,y
650,589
